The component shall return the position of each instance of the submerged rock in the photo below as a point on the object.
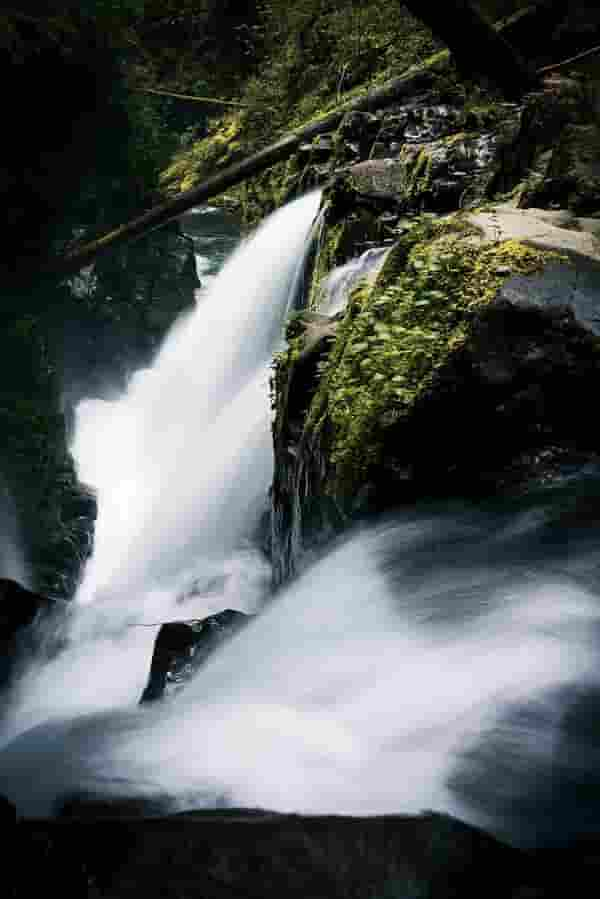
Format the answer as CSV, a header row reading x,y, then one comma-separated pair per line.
x,y
181,648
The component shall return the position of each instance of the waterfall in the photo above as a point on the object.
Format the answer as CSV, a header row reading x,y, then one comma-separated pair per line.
x,y
181,464
444,659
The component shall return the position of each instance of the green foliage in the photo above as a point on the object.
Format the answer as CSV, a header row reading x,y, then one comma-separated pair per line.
x,y
398,334
309,57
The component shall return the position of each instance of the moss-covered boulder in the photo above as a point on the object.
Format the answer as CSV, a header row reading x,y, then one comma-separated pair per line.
x,y
464,369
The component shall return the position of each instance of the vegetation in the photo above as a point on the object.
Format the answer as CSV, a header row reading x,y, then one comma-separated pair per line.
x,y
397,334
308,59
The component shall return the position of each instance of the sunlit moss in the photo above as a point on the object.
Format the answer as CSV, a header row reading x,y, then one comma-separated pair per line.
x,y
398,333
220,148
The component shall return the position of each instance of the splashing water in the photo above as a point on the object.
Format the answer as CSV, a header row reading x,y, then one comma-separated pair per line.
x,y
339,284
182,462
421,663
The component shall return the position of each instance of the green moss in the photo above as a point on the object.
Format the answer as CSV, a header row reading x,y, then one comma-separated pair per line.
x,y
397,334
418,175
220,148
316,59
283,363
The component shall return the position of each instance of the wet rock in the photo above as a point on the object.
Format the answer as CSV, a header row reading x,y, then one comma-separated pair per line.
x,y
19,608
357,133
181,648
436,176
571,175
427,123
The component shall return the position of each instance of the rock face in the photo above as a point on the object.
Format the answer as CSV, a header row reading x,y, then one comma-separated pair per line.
x,y
182,648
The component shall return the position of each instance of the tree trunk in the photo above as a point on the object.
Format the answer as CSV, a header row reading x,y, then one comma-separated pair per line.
x,y
477,47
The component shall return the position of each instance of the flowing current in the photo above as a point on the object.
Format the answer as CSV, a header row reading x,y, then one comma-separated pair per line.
x,y
442,659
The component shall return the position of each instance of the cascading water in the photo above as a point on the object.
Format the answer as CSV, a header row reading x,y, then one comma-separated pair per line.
x,y
340,283
182,462
424,662
181,465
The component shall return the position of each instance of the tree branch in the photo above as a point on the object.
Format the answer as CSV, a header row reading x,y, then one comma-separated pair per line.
x,y
161,93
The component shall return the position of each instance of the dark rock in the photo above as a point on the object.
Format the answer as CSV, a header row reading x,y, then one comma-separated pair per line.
x,y
181,648
18,610
357,133
8,813
510,405
18,607
251,854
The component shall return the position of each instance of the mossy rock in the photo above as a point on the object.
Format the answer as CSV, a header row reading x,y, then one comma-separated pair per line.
x,y
397,335
572,176
465,369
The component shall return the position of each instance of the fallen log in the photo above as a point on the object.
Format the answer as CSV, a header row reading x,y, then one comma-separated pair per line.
x,y
476,45
412,81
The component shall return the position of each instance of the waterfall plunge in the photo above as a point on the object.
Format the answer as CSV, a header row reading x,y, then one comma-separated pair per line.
x,y
420,664
181,464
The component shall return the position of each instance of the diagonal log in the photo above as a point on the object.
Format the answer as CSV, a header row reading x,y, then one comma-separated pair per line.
x,y
397,89
477,47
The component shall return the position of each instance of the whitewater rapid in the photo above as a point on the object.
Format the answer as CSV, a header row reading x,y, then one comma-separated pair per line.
x,y
423,662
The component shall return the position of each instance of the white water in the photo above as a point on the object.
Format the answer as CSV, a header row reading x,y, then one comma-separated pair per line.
x,y
365,687
340,283
182,462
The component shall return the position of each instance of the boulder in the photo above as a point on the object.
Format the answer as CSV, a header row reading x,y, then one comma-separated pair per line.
x,y
181,648
19,608
465,369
